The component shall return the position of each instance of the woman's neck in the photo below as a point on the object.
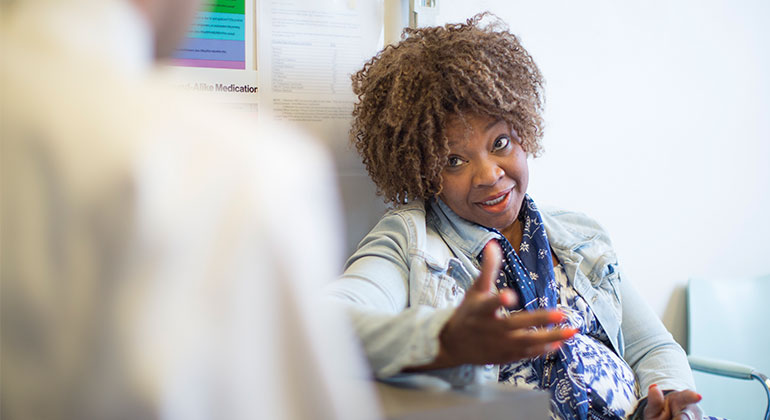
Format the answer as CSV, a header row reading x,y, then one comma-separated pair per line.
x,y
513,234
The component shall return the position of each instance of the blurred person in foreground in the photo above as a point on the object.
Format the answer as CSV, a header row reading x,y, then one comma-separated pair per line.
x,y
466,278
148,245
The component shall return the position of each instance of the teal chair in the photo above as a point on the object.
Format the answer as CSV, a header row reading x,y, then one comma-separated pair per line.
x,y
729,345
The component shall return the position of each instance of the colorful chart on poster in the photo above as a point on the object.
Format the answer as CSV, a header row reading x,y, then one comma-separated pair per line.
x,y
217,37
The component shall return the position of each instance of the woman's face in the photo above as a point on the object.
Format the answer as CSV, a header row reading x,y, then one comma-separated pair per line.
x,y
487,175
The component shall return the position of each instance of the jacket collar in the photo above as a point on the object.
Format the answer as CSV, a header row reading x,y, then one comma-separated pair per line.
x,y
471,237
468,236
564,241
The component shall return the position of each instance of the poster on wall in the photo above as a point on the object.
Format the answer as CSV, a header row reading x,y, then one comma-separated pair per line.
x,y
289,60
217,37
307,51
218,58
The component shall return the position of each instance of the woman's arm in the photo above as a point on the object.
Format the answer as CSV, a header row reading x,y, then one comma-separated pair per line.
x,y
446,342
375,290
650,349
660,364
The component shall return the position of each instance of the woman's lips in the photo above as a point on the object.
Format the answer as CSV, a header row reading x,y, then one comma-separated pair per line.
x,y
497,203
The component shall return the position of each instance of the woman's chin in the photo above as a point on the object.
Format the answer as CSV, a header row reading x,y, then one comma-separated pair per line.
x,y
501,221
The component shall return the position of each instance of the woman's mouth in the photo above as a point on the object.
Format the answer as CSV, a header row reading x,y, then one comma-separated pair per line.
x,y
495,201
496,204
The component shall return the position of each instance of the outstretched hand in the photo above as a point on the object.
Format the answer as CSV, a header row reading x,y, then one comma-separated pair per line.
x,y
477,333
677,405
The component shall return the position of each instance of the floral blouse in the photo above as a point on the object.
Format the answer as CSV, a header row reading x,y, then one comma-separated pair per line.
x,y
609,380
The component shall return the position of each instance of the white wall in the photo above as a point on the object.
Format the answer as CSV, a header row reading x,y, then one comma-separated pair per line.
x,y
658,125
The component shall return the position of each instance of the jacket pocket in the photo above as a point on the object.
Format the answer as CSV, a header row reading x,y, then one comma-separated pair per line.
x,y
438,284
450,294
606,280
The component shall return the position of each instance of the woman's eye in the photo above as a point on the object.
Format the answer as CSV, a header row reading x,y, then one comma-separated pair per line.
x,y
501,143
454,162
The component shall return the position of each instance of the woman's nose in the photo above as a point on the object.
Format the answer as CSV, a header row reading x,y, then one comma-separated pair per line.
x,y
488,173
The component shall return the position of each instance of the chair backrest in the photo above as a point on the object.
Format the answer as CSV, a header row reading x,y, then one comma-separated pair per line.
x,y
729,319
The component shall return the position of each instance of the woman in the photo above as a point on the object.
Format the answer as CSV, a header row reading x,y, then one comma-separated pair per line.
x,y
445,123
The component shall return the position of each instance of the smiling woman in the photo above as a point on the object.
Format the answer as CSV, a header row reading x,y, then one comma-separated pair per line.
x,y
486,175
409,93
466,279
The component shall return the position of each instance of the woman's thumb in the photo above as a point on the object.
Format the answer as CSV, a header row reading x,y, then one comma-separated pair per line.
x,y
490,268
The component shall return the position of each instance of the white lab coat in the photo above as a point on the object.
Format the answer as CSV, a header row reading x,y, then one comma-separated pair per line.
x,y
159,259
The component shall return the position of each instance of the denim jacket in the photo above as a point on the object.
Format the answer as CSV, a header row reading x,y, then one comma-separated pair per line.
x,y
411,271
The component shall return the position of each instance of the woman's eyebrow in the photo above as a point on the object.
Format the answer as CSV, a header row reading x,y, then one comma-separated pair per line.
x,y
492,124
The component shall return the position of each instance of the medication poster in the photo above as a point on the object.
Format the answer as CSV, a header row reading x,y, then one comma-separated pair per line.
x,y
217,38
218,58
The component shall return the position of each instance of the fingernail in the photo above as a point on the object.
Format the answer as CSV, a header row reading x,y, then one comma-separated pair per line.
x,y
555,317
569,332
653,385
506,298
700,397
492,244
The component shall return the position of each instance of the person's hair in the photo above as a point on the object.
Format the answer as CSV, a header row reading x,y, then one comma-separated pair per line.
x,y
407,94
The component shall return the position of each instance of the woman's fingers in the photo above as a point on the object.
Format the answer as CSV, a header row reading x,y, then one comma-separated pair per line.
x,y
490,267
526,352
690,412
676,405
540,337
508,299
538,318
535,351
684,404
528,344
476,333
681,399
655,403
486,306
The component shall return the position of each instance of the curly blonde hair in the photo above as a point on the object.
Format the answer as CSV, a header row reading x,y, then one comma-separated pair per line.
x,y
407,93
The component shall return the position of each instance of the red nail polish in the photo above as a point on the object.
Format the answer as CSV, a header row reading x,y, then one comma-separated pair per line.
x,y
700,397
556,317
569,332
506,298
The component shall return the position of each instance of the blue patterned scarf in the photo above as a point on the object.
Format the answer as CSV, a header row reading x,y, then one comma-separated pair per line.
x,y
530,274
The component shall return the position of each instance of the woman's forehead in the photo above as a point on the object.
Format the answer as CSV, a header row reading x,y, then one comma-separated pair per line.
x,y
460,128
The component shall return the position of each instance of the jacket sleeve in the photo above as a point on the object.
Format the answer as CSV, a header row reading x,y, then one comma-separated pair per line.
x,y
650,349
375,290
